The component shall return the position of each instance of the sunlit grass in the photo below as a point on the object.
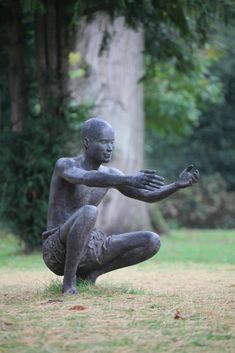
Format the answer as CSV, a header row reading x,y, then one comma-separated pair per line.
x,y
198,246
13,256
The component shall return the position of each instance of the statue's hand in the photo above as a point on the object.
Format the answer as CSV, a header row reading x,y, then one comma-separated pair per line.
x,y
186,178
147,179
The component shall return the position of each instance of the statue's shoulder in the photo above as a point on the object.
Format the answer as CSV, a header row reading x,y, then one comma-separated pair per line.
x,y
65,163
110,170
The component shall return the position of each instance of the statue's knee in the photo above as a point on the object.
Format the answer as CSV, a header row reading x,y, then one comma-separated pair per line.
x,y
84,217
90,212
154,243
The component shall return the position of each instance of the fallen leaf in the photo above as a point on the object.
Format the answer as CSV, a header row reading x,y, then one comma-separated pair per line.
x,y
177,315
8,323
78,308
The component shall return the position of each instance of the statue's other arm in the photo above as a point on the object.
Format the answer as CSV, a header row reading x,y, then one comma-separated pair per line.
x,y
67,169
185,179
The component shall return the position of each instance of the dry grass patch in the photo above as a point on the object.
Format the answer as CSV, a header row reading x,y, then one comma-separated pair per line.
x,y
130,310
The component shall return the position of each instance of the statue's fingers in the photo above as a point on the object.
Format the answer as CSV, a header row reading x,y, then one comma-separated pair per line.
x,y
158,182
190,167
194,178
151,185
143,184
155,180
148,171
196,175
155,177
148,187
157,185
159,178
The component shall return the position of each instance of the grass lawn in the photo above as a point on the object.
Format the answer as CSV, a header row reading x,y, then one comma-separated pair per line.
x,y
182,300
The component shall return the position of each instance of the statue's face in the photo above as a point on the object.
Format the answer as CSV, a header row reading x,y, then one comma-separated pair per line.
x,y
100,147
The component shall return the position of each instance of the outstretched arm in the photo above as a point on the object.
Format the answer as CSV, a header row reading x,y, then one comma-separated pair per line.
x,y
186,179
67,169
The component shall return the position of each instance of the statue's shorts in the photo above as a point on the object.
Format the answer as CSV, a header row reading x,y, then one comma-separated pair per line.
x,y
54,251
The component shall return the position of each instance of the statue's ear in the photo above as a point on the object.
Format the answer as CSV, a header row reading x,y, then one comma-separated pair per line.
x,y
86,142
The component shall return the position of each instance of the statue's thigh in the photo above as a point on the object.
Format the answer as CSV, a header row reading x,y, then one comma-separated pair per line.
x,y
128,241
54,254
102,249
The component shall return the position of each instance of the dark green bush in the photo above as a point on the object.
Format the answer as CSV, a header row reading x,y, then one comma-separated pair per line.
x,y
26,163
206,205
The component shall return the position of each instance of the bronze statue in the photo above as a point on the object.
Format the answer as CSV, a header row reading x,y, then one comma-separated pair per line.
x,y
71,246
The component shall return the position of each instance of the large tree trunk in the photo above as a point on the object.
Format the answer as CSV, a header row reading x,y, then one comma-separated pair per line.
x,y
16,66
114,55
52,55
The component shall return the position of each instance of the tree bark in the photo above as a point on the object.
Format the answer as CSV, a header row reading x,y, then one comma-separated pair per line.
x,y
52,55
16,66
114,55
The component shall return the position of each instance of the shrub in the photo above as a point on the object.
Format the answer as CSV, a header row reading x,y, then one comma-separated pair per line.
x,y
26,163
205,205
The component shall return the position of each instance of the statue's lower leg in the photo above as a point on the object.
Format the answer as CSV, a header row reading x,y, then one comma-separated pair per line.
x,y
76,233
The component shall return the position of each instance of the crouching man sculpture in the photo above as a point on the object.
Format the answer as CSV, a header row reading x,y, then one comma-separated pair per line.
x,y
71,245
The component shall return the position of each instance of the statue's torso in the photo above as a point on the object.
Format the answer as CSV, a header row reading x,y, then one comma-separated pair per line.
x,y
66,198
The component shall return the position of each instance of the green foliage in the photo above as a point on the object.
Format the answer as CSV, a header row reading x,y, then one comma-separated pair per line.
x,y
216,128
51,129
206,205
26,177
77,68
214,145
171,27
27,162
173,99
34,5
211,141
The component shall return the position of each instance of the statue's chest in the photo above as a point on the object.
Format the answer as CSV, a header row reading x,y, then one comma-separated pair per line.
x,y
85,195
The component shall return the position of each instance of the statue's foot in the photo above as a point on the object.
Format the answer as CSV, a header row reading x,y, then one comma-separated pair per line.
x,y
69,291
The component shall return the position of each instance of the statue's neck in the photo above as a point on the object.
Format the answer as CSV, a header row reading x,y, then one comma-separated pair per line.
x,y
90,163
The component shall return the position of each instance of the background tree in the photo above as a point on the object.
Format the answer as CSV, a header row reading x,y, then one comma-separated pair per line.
x,y
104,38
17,86
112,45
211,141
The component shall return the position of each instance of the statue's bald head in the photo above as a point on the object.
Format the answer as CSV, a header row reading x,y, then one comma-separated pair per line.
x,y
93,128
98,140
